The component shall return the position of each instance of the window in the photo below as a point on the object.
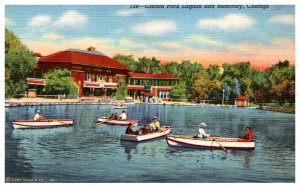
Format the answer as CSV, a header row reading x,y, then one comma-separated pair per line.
x,y
110,78
88,77
146,82
100,78
163,83
163,94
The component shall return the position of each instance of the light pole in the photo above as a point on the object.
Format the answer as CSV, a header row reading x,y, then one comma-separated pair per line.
x,y
223,97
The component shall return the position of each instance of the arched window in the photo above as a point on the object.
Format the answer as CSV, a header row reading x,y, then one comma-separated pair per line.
x,y
88,77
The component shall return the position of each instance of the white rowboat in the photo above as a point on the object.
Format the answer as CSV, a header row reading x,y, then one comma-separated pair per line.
x,y
149,136
41,124
119,107
106,120
209,143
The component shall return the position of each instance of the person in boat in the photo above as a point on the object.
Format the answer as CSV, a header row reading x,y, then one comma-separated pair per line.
x,y
201,131
248,137
123,115
130,131
144,130
155,125
113,116
38,116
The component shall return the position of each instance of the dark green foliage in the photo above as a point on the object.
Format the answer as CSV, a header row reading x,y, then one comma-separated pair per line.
x,y
19,64
148,65
59,82
186,71
122,89
179,91
128,60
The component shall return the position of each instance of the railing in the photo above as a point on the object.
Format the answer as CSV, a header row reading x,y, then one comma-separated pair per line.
x,y
48,96
94,84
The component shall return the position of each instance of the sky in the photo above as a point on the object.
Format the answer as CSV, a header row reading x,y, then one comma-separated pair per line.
x,y
204,35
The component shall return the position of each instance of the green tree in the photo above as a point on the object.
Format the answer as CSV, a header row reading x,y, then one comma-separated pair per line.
x,y
214,71
148,65
203,87
258,82
179,91
172,68
122,89
128,60
281,82
189,72
58,82
19,64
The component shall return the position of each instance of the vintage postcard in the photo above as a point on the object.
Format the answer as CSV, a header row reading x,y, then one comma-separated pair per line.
x,y
137,93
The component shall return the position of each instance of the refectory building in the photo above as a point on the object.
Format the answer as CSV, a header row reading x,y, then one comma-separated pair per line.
x,y
97,75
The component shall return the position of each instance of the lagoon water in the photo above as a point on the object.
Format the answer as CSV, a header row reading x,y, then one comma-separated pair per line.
x,y
84,153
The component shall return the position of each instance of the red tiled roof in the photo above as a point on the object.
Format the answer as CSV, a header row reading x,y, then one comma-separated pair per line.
x,y
164,88
135,87
74,56
241,98
152,76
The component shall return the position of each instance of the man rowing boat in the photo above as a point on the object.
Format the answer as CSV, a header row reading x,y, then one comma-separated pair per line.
x,y
123,115
37,116
201,132
130,131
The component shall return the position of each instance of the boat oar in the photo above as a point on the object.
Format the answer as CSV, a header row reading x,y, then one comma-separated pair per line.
x,y
99,123
221,145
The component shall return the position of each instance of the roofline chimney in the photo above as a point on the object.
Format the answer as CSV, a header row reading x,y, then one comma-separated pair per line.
x,y
91,49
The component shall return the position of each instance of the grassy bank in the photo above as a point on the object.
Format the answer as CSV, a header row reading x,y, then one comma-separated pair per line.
x,y
282,109
285,108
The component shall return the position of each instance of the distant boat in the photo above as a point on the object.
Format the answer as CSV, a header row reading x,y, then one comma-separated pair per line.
x,y
119,107
41,124
106,120
209,143
149,136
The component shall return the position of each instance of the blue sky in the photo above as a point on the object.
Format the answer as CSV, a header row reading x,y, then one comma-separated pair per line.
x,y
202,35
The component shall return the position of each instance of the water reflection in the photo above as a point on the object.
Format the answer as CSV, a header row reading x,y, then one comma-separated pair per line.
x,y
246,154
128,146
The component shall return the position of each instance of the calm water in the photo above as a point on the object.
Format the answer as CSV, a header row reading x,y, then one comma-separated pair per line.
x,y
86,154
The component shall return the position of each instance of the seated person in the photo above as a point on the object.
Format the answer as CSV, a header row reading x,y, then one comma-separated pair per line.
x,y
248,137
144,129
37,116
123,115
113,116
130,131
155,125
201,132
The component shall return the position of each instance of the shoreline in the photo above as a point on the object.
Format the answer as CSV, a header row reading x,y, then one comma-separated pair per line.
x,y
50,102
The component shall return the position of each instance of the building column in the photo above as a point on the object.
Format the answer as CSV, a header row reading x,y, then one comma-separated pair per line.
x,y
80,88
93,92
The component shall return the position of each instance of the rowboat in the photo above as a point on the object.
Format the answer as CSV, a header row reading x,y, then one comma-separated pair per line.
x,y
119,107
106,120
209,143
149,136
41,124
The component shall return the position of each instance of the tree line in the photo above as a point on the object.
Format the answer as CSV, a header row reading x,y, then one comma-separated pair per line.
x,y
275,84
